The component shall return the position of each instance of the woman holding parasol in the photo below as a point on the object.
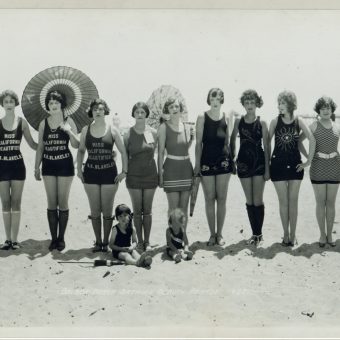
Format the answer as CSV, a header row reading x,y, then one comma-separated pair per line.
x,y
214,163
12,167
175,175
99,175
55,133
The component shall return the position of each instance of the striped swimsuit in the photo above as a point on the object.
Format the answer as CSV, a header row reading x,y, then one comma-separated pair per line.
x,y
325,170
178,171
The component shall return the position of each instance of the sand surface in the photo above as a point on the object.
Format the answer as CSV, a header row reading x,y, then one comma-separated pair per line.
x,y
222,287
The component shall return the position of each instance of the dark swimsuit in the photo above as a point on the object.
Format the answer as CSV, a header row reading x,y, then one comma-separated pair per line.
x,y
250,158
176,240
57,159
286,155
100,167
214,160
12,166
122,240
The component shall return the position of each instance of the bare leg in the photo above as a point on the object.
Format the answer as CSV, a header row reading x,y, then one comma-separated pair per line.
x,y
64,186
51,189
222,183
108,193
293,199
247,186
93,195
184,204
17,188
137,206
173,200
320,192
209,190
5,194
127,258
332,190
281,188
148,195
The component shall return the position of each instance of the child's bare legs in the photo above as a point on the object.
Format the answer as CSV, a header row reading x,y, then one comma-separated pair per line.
x,y
134,258
180,254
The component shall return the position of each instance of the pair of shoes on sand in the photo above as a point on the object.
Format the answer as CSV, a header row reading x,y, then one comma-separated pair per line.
x,y
322,244
289,243
256,240
216,240
10,245
57,244
145,260
100,247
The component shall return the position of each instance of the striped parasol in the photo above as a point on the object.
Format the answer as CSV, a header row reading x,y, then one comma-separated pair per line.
x,y
156,103
77,87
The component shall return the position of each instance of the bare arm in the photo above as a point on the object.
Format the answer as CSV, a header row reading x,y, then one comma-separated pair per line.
x,y
27,134
121,148
271,132
40,151
198,147
185,239
70,128
301,147
311,139
233,139
161,150
81,153
266,150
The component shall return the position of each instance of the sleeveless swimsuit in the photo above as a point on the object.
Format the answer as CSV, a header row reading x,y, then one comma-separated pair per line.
x,y
122,240
176,240
250,159
57,159
178,173
100,167
12,166
214,159
325,170
286,155
142,170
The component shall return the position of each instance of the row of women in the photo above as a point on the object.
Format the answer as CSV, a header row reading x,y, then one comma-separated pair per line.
x,y
215,152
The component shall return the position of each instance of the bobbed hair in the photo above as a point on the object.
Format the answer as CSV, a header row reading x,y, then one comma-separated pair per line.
x,y
96,102
175,215
11,94
214,92
324,102
55,95
140,105
251,95
290,98
170,101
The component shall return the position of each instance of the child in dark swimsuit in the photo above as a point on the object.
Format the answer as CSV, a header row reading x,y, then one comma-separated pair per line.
x,y
122,235
176,237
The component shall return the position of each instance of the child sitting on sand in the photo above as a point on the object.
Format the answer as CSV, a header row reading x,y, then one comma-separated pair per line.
x,y
176,237
122,235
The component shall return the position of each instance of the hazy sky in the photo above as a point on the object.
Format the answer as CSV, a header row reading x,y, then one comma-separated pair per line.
x,y
129,53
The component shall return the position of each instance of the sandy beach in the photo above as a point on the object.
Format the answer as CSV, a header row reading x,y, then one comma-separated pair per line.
x,y
222,287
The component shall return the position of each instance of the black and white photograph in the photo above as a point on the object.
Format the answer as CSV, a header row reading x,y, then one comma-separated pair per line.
x,y
169,170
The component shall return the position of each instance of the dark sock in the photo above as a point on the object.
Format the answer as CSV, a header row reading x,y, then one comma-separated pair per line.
x,y
259,216
251,217
107,225
63,219
52,217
